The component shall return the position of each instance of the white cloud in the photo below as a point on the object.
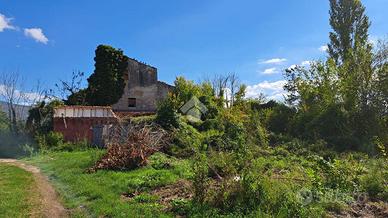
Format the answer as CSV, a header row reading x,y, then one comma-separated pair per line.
x,y
21,98
270,71
306,63
323,48
274,61
273,90
37,34
5,23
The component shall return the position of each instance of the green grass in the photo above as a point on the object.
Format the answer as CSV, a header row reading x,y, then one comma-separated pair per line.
x,y
273,182
17,196
99,194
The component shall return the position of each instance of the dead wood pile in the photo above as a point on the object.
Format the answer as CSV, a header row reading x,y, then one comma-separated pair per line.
x,y
130,145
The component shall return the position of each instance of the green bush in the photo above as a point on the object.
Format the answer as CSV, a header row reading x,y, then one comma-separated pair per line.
x,y
54,141
74,146
185,140
212,124
235,133
143,119
256,192
180,207
200,179
256,133
51,140
280,118
166,115
212,139
222,164
375,181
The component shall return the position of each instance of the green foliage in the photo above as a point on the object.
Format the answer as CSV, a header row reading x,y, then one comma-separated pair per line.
x,y
15,200
100,193
212,124
222,164
3,121
256,132
374,183
166,115
12,146
184,90
327,110
350,28
185,141
106,84
77,98
51,140
143,119
234,133
180,207
200,180
280,118
340,100
54,141
40,117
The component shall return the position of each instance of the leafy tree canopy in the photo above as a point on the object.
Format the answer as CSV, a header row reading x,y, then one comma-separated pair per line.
x,y
106,84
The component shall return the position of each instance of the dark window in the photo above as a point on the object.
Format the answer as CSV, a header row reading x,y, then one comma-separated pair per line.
x,y
131,102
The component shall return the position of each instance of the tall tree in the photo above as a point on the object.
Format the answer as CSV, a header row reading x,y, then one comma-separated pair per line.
x,y
10,85
342,100
350,29
106,84
352,52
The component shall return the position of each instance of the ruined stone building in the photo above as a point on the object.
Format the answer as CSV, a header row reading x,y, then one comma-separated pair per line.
x,y
141,93
142,89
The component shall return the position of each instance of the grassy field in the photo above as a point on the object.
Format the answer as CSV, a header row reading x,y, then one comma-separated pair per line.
x,y
100,194
278,175
17,196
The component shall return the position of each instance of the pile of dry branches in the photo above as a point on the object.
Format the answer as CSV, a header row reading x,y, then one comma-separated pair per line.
x,y
130,145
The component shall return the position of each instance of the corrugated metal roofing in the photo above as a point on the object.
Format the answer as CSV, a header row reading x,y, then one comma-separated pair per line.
x,y
83,111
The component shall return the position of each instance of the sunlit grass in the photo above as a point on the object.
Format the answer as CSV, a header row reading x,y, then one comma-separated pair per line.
x,y
99,194
18,196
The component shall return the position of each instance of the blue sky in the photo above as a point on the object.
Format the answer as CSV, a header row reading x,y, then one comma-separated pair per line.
x,y
47,40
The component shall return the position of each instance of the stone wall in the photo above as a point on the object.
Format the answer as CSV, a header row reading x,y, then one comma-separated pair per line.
x,y
141,84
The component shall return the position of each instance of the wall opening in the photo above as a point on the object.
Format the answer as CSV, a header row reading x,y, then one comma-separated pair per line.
x,y
131,102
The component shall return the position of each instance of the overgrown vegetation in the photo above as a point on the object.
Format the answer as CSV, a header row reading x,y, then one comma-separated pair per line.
x,y
105,85
110,193
322,152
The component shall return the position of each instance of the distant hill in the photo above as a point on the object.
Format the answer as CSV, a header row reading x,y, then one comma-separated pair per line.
x,y
21,110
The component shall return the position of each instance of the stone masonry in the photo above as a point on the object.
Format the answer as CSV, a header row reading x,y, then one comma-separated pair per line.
x,y
142,89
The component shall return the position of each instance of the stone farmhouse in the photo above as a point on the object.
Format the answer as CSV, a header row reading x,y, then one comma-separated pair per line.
x,y
141,93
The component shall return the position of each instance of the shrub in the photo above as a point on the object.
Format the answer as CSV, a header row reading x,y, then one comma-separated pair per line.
x,y
200,180
185,140
222,164
54,141
212,139
180,207
235,132
143,119
51,140
281,118
375,181
166,115
256,133
74,146
212,124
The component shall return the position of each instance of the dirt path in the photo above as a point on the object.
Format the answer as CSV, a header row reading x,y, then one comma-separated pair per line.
x,y
49,201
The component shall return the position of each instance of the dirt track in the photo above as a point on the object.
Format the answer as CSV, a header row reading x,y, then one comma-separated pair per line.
x,y
48,197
